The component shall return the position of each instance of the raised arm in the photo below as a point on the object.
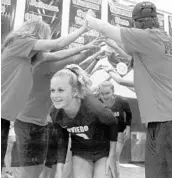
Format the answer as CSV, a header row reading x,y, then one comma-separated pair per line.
x,y
117,77
104,27
91,66
61,42
48,66
62,54
114,45
90,59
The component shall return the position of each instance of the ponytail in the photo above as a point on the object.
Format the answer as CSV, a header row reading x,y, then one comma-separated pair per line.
x,y
79,79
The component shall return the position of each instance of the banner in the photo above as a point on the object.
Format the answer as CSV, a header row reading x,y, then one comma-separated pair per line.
x,y
119,14
161,20
77,13
8,10
170,25
49,11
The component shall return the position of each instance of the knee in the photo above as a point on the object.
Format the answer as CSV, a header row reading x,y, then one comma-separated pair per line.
x,y
31,171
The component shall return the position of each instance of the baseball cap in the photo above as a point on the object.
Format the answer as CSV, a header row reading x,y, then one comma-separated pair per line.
x,y
144,9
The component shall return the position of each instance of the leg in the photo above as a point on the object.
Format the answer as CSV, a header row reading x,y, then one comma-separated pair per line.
x,y
51,159
81,168
31,142
30,171
5,127
155,161
46,172
99,169
53,172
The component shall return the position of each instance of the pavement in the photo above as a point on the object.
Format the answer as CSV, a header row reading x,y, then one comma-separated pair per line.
x,y
132,170
126,171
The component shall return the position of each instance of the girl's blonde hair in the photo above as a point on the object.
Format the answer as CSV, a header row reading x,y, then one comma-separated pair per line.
x,y
78,79
37,29
106,84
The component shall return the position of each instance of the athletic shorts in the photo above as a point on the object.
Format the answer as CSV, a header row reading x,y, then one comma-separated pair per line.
x,y
32,142
158,158
5,127
52,146
121,126
92,156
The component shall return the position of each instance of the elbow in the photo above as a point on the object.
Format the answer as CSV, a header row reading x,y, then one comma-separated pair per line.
x,y
119,82
75,59
60,45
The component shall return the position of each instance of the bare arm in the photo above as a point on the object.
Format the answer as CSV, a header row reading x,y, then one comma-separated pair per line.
x,y
111,162
120,80
89,60
44,45
113,44
47,66
91,66
62,54
105,28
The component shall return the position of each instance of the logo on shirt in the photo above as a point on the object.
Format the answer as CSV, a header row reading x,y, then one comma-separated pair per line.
x,y
79,131
116,114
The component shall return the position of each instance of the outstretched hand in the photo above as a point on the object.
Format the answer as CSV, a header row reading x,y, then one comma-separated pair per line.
x,y
107,68
91,13
85,26
112,166
95,44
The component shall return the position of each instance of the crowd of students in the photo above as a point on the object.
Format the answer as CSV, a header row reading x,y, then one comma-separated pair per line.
x,y
37,84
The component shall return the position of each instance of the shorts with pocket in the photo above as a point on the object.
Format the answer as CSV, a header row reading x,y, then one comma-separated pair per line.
x,y
32,142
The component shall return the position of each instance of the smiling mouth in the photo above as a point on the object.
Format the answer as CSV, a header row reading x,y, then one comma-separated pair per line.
x,y
57,101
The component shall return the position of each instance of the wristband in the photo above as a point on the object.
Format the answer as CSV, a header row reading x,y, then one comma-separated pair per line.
x,y
110,70
96,58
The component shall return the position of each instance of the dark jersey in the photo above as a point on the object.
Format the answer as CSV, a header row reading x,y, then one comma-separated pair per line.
x,y
89,128
121,110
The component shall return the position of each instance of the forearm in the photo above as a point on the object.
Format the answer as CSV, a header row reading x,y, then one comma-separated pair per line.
x,y
119,50
91,67
89,60
112,150
71,37
120,80
46,45
59,55
105,28
51,67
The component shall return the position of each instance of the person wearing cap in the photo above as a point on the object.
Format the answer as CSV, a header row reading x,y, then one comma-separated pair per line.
x,y
151,49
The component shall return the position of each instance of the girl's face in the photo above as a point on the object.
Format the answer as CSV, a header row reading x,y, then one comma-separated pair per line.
x,y
61,92
106,93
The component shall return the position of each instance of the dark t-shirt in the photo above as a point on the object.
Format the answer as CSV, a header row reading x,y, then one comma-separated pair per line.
x,y
119,108
89,129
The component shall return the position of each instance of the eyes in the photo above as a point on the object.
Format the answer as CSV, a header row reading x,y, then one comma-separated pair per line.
x,y
105,93
58,90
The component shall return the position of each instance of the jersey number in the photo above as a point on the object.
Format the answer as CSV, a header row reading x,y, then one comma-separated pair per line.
x,y
84,136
